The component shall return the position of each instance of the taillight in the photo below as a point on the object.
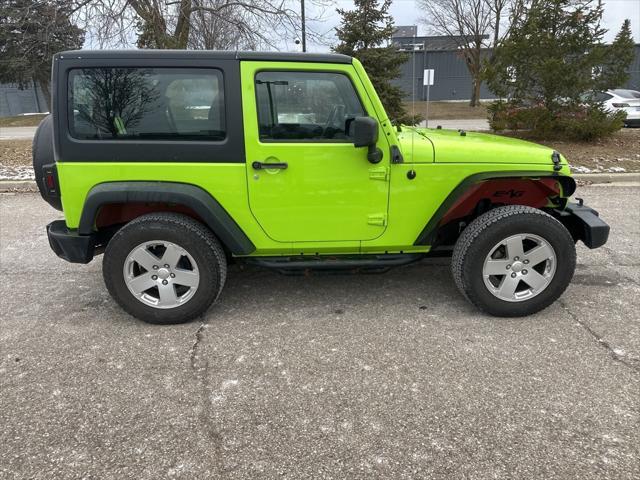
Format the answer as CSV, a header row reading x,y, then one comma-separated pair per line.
x,y
620,105
50,179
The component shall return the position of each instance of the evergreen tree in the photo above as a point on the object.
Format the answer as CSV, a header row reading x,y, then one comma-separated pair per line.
x,y
365,33
555,55
30,33
617,57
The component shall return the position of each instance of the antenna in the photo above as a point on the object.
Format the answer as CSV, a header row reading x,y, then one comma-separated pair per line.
x,y
413,76
413,89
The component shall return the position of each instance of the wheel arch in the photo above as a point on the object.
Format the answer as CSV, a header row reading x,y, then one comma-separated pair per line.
x,y
464,191
190,197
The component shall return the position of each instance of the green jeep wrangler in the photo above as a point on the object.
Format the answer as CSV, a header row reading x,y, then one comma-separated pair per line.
x,y
175,163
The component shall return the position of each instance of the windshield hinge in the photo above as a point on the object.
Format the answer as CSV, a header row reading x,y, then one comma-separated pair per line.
x,y
379,219
379,173
396,154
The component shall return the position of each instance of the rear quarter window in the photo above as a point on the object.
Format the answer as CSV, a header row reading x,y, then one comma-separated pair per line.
x,y
146,103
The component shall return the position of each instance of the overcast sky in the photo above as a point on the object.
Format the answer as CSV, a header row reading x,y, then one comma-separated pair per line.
x,y
405,12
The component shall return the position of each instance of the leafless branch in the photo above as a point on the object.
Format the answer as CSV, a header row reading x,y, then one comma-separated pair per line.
x,y
474,25
193,23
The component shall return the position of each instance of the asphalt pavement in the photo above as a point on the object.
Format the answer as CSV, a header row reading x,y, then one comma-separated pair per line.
x,y
342,376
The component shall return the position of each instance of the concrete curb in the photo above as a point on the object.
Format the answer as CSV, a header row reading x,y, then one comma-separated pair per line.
x,y
18,186
595,178
608,177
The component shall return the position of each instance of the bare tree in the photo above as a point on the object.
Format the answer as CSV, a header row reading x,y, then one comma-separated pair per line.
x,y
211,32
476,26
210,24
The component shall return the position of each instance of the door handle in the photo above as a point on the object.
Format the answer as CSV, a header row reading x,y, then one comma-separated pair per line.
x,y
269,166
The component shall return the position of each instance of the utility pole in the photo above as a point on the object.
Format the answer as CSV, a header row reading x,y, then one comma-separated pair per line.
x,y
304,27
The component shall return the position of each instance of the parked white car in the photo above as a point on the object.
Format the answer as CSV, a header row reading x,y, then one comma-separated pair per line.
x,y
625,100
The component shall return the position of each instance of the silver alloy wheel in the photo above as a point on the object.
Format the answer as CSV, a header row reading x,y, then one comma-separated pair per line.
x,y
161,274
519,267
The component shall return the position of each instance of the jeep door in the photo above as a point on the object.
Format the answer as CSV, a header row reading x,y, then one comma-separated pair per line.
x,y
306,180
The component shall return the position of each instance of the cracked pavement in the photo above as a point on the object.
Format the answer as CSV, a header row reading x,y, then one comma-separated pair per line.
x,y
363,376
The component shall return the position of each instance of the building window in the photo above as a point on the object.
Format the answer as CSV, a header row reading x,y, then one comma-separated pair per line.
x,y
146,104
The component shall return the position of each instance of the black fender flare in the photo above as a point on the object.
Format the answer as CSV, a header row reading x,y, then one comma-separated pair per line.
x,y
427,235
42,151
192,196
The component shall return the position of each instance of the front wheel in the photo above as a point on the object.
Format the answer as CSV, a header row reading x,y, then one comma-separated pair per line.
x,y
513,261
164,268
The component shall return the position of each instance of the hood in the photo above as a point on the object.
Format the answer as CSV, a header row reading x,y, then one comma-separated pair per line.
x,y
416,147
450,146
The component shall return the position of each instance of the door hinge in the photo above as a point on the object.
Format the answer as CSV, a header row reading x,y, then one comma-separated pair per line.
x,y
379,173
379,219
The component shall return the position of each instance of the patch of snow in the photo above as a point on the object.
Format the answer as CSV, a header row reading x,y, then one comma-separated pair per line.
x,y
580,169
16,173
597,169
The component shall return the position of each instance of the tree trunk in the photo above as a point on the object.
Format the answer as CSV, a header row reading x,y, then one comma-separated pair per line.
x,y
154,27
475,92
44,86
474,65
181,35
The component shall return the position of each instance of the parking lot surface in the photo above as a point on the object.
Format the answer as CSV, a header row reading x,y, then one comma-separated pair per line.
x,y
347,376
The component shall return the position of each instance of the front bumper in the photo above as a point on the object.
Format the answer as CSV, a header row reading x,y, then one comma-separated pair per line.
x,y
585,224
70,246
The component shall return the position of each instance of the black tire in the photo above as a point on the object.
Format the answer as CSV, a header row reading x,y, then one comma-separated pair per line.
x,y
477,240
189,234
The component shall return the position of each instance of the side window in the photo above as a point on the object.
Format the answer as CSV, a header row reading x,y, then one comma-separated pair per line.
x,y
146,103
602,97
306,106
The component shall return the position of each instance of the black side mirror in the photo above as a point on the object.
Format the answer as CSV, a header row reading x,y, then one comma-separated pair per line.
x,y
365,131
365,134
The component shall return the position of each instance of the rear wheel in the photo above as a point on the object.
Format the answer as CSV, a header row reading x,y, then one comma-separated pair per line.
x,y
164,268
513,261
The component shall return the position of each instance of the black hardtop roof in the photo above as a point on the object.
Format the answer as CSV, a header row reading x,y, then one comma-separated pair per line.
x,y
209,54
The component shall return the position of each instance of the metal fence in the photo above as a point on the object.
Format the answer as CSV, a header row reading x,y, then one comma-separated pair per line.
x,y
15,100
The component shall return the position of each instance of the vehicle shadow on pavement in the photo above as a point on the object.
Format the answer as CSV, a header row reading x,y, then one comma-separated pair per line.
x,y
425,285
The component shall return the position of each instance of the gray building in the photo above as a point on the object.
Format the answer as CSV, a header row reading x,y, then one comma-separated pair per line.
x,y
634,80
451,76
15,100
